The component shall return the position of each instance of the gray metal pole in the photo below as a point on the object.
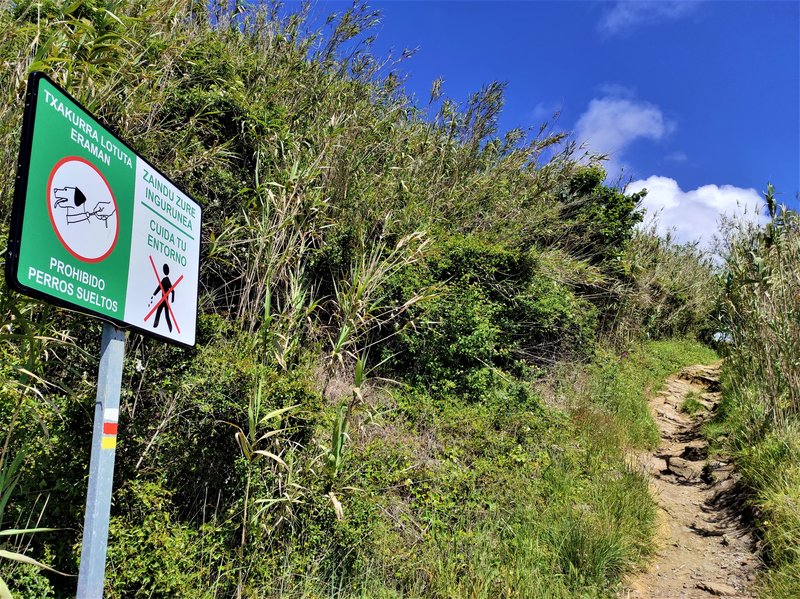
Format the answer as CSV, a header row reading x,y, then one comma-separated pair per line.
x,y
101,466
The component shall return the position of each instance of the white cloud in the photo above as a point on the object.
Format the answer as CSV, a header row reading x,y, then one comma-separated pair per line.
x,y
616,90
624,16
611,123
545,112
694,215
677,157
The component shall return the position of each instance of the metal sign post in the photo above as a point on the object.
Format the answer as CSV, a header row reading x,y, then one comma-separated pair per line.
x,y
101,465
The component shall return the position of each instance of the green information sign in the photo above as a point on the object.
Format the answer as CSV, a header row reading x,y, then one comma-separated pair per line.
x,y
98,229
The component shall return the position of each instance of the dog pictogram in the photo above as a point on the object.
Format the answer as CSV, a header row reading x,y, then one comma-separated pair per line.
x,y
74,201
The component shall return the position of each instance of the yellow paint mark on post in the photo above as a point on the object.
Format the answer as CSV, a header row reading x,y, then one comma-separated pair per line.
x,y
109,443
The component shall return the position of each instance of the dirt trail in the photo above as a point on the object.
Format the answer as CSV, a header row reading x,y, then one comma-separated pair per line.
x,y
704,549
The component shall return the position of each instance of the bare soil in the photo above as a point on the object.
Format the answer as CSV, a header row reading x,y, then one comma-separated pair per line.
x,y
705,548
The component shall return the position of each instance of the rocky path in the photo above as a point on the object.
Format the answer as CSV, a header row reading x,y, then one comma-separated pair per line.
x,y
704,550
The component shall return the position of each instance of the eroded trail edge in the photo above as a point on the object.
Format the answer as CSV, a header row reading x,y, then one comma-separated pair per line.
x,y
704,546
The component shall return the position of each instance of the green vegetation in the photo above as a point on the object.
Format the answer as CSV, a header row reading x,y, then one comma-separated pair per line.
x,y
691,405
420,361
759,417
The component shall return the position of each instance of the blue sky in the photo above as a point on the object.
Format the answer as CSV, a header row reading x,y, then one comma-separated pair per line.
x,y
697,101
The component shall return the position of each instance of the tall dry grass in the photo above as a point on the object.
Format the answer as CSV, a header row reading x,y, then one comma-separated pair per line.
x,y
762,311
759,415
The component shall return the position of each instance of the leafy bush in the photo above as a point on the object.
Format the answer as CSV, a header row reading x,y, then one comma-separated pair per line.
x,y
491,310
597,220
152,555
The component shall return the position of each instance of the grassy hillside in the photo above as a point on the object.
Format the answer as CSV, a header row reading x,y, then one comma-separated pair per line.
x,y
432,331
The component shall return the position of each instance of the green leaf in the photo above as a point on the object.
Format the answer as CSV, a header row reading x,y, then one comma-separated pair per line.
x,y
276,413
18,557
4,592
271,455
244,444
271,434
73,7
25,531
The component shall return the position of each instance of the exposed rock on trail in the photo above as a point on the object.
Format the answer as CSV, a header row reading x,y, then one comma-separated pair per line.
x,y
704,549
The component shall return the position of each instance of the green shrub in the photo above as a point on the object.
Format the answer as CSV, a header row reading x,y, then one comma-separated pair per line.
x,y
151,554
465,338
597,220
491,311
26,581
